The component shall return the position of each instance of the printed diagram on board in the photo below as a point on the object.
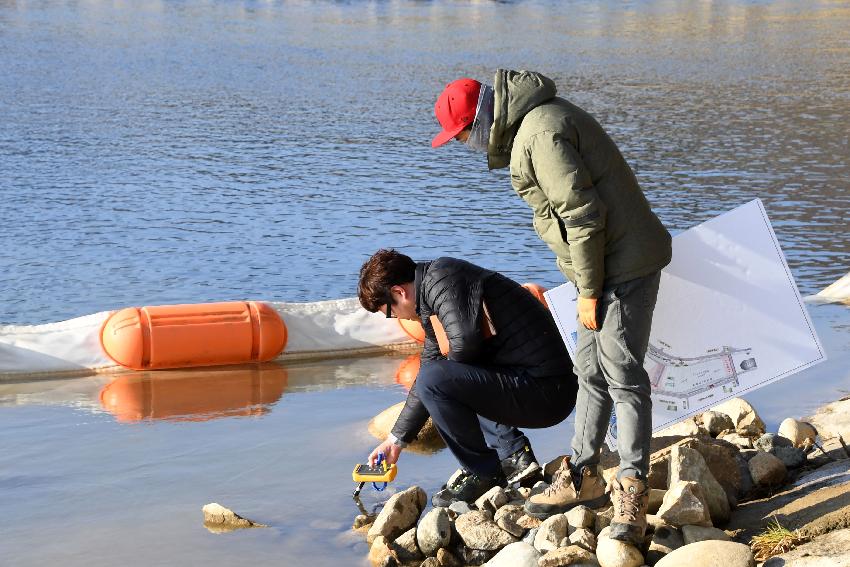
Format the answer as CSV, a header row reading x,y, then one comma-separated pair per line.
x,y
678,381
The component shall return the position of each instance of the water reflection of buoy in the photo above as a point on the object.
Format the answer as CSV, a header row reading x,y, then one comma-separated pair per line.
x,y
194,395
408,370
204,334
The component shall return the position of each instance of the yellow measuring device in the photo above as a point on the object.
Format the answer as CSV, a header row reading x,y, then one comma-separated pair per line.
x,y
380,472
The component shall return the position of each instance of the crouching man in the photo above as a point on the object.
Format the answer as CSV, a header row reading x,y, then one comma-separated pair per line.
x,y
506,366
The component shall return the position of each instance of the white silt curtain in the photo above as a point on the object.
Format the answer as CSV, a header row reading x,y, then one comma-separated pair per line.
x,y
324,329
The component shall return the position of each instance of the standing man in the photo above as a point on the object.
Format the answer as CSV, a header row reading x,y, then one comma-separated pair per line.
x,y
591,212
506,366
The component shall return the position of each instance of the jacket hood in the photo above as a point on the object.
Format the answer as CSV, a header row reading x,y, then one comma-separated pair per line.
x,y
516,94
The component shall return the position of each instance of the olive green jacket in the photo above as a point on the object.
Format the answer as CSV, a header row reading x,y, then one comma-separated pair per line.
x,y
588,206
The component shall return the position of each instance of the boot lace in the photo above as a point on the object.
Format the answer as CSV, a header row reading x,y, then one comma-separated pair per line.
x,y
628,504
561,479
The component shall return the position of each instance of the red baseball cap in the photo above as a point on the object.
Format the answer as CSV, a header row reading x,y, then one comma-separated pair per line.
x,y
455,109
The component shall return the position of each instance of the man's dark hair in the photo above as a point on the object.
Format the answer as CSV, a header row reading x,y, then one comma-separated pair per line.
x,y
379,273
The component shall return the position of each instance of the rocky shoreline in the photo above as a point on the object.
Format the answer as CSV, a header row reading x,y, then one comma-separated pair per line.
x,y
718,481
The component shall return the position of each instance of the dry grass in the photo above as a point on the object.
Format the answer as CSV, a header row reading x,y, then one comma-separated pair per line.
x,y
775,540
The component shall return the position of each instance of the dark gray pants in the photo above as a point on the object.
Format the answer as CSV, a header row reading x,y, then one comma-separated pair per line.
x,y
477,409
609,365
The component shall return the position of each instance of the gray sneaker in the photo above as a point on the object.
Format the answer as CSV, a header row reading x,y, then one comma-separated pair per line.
x,y
467,488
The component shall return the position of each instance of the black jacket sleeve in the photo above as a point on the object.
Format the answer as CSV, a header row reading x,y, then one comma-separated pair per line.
x,y
412,418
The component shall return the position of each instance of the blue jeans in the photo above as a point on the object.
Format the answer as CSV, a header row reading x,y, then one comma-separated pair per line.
x,y
477,410
609,365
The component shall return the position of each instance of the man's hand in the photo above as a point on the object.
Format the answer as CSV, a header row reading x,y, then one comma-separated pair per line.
x,y
587,312
390,450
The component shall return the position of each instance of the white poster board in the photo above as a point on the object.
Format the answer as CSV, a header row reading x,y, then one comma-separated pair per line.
x,y
729,318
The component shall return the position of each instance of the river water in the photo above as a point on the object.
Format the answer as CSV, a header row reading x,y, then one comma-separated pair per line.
x,y
162,152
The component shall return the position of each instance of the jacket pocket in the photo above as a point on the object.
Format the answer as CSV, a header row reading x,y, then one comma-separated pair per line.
x,y
554,234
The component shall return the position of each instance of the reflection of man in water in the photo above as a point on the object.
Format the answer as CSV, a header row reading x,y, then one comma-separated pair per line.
x,y
590,210
506,366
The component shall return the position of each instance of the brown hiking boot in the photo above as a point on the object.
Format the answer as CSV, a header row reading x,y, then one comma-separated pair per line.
x,y
631,499
562,495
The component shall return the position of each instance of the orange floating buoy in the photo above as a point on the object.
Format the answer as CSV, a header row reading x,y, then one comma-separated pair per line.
x,y
408,370
416,332
204,334
413,329
537,291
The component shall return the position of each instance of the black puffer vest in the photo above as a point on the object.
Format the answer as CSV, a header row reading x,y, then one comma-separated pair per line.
x,y
526,338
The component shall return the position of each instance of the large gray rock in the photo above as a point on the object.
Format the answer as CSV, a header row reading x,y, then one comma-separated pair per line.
x,y
492,500
581,517
434,531
405,547
615,553
583,537
693,534
653,523
742,463
528,522
767,470
751,426
380,553
743,415
656,497
719,456
550,533
800,433
769,441
460,507
782,448
710,554
685,428
828,550
518,554
716,423
477,530
603,519
569,555
219,519
446,559
399,514
427,441
740,441
735,408
833,419
791,457
665,539
362,521
687,464
506,518
684,504
475,556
